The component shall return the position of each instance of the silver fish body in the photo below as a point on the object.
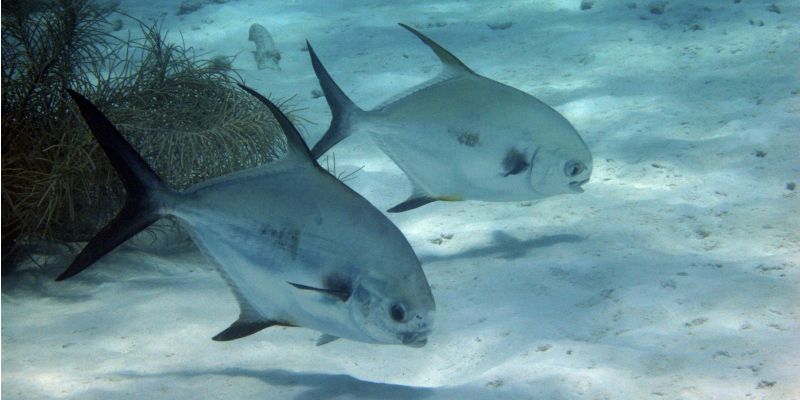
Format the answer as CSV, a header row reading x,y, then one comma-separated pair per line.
x,y
463,136
466,138
296,246
326,237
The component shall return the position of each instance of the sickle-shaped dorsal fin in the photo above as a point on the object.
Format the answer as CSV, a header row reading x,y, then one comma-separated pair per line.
x,y
295,144
450,62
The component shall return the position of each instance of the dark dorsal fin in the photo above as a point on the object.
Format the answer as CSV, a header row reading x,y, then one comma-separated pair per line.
x,y
296,146
447,58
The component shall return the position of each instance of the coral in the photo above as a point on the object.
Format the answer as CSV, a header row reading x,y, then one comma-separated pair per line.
x,y
188,7
188,123
658,7
186,117
220,63
499,25
47,45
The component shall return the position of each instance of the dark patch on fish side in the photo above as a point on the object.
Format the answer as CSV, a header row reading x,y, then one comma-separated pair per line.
x,y
288,239
467,138
514,162
338,283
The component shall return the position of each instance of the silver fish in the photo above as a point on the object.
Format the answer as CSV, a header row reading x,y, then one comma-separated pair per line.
x,y
296,246
461,136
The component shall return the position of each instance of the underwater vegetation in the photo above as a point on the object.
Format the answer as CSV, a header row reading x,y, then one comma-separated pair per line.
x,y
182,113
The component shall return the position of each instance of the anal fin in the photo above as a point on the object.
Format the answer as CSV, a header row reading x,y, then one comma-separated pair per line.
x,y
325,339
249,321
240,329
411,203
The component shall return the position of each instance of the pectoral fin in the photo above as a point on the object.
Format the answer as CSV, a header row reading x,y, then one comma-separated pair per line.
x,y
342,293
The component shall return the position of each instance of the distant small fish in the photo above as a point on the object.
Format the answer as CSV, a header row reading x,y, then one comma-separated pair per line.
x,y
460,136
267,56
296,246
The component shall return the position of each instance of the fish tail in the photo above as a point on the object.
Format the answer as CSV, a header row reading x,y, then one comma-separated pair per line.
x,y
343,110
143,188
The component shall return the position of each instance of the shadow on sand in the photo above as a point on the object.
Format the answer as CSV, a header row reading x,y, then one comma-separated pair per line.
x,y
506,247
314,385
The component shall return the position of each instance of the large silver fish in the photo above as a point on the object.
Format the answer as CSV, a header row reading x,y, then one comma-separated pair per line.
x,y
296,246
460,136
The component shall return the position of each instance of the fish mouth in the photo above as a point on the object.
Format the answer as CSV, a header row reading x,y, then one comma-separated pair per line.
x,y
576,185
415,339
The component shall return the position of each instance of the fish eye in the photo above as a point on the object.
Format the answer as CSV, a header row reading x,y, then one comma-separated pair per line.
x,y
397,312
573,168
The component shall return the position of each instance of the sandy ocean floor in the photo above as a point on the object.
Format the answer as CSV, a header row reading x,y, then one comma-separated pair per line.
x,y
675,275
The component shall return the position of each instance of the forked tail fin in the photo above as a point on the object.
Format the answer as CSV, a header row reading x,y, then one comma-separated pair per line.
x,y
343,110
142,187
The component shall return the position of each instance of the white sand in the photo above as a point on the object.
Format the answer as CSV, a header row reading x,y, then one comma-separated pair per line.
x,y
676,274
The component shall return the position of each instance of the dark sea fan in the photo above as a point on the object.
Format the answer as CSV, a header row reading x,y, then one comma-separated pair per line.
x,y
185,115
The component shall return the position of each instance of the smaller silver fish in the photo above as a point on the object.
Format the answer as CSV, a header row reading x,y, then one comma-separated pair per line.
x,y
296,246
461,136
